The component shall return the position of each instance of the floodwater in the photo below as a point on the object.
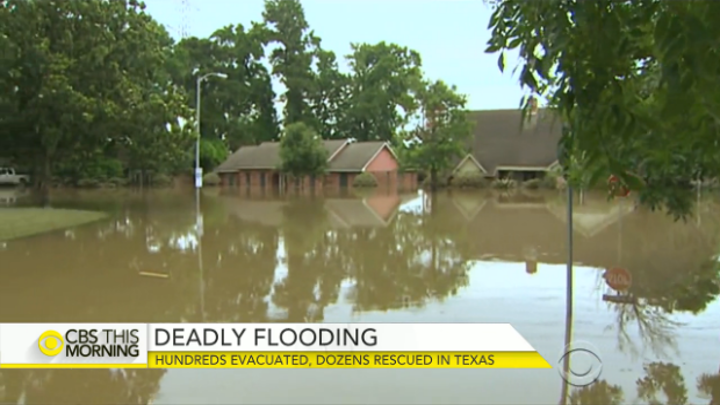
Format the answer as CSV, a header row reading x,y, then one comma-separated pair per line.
x,y
460,257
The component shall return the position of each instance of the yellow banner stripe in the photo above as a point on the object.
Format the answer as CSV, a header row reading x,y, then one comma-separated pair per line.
x,y
62,365
346,360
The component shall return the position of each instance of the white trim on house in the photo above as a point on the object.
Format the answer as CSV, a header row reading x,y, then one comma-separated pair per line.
x,y
470,156
383,146
340,149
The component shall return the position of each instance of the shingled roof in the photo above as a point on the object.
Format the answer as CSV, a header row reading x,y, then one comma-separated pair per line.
x,y
343,156
355,156
501,139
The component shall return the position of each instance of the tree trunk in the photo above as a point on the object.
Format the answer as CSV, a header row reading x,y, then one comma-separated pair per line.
x,y
433,179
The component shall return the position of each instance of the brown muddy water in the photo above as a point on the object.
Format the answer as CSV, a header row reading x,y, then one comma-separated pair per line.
x,y
458,257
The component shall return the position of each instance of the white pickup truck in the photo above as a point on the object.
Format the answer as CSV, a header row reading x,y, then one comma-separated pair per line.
x,y
8,177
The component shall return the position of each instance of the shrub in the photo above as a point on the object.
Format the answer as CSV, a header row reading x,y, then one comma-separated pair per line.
x,y
118,181
88,183
532,184
504,183
469,180
365,180
211,179
161,180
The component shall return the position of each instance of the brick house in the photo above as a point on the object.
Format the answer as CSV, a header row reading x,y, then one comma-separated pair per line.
x,y
257,167
503,146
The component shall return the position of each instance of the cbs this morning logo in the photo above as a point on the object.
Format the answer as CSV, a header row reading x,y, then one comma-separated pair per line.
x,y
91,343
580,364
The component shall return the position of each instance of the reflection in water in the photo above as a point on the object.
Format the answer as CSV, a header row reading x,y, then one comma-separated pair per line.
x,y
80,386
380,258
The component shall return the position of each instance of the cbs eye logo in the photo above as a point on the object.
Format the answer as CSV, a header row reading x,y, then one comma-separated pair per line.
x,y
53,343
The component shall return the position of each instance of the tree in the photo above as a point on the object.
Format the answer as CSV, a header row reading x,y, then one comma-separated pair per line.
x,y
302,152
441,137
381,91
634,81
286,26
329,97
238,110
80,69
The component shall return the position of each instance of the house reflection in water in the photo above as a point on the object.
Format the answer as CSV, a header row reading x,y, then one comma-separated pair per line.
x,y
532,228
341,212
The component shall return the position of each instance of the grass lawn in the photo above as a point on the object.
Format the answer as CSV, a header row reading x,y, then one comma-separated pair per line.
x,y
23,222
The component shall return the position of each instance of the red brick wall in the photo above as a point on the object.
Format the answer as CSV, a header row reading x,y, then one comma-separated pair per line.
x,y
332,180
383,162
408,181
387,180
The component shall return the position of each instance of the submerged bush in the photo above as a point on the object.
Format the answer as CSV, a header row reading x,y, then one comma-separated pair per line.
x,y
88,183
365,180
504,183
211,179
469,180
532,184
161,180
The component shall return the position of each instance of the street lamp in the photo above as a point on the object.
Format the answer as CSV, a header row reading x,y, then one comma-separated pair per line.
x,y
198,185
198,169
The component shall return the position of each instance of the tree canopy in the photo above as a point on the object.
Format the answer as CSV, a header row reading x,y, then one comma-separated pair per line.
x,y
633,81
302,152
98,89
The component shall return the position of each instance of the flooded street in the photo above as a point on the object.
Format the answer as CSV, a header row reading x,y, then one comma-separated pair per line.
x,y
458,257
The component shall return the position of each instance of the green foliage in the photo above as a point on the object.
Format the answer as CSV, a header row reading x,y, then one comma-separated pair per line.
x,y
286,26
239,109
469,180
441,138
381,97
102,95
302,152
532,184
365,179
162,180
88,183
638,96
550,180
211,179
212,153
119,97
504,184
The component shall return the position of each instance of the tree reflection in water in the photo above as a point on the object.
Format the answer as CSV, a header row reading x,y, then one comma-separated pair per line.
x,y
599,393
653,301
709,385
131,387
661,384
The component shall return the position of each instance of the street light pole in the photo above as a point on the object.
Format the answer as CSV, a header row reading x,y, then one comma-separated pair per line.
x,y
198,185
198,89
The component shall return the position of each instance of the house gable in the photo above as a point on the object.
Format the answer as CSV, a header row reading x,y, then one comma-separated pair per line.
x,y
384,160
503,141
469,165
356,157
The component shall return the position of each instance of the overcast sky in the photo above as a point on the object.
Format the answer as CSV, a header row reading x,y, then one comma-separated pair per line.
x,y
450,35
